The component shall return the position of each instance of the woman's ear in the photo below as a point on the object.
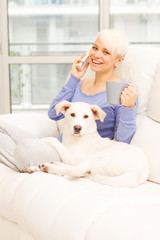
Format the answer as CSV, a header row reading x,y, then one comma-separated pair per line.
x,y
119,60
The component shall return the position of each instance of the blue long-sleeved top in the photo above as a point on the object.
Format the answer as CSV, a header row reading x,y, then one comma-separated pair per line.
x,y
120,121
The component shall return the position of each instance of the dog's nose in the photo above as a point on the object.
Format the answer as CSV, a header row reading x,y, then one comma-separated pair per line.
x,y
77,128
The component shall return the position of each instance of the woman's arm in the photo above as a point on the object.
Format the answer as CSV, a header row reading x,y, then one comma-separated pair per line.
x,y
68,89
125,126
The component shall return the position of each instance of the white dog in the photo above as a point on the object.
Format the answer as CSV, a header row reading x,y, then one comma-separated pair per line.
x,y
84,153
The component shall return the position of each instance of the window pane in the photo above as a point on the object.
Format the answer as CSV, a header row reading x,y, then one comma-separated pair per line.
x,y
33,87
138,18
52,27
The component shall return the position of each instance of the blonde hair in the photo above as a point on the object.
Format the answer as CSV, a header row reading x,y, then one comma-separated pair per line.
x,y
115,41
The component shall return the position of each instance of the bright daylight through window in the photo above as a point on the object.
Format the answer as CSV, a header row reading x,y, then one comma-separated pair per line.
x,y
47,28
45,36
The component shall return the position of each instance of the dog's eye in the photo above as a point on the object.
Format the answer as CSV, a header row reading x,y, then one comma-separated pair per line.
x,y
85,116
72,114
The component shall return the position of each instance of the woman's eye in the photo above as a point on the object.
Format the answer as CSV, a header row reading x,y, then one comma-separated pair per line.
x,y
85,116
95,48
105,52
72,115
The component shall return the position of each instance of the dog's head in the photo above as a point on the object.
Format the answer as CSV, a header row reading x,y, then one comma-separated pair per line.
x,y
80,117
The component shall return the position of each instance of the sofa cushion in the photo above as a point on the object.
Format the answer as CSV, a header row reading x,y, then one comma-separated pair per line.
x,y
14,128
32,152
147,138
139,68
10,135
154,98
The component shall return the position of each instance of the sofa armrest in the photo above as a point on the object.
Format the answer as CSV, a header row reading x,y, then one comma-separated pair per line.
x,y
38,125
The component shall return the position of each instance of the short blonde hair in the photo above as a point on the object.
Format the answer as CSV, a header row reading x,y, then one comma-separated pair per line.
x,y
115,41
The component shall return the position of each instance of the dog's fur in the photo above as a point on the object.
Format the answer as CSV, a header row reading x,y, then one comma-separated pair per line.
x,y
84,153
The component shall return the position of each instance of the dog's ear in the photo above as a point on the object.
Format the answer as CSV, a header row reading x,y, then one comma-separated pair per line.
x,y
62,107
98,113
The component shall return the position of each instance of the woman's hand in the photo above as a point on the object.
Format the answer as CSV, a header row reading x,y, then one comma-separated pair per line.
x,y
74,68
128,96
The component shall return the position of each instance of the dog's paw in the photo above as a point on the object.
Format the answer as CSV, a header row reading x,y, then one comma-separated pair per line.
x,y
44,167
33,169
51,168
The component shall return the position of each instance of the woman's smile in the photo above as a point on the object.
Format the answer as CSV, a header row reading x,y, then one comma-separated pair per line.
x,y
96,62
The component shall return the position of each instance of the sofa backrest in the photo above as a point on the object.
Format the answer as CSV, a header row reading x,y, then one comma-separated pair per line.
x,y
140,68
154,98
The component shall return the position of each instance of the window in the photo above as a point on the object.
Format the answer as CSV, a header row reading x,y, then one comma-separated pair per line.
x,y
39,40
137,18
46,28
33,86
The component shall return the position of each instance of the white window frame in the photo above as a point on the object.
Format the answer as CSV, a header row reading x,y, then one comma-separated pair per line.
x,y
6,60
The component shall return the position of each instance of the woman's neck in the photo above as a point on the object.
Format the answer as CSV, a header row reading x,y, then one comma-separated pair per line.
x,y
103,78
93,86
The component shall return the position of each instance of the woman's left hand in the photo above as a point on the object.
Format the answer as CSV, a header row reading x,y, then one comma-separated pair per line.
x,y
128,96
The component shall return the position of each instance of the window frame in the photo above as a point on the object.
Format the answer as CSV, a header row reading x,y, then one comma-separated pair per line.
x,y
6,60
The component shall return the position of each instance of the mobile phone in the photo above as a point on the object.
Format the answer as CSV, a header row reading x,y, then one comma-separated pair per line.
x,y
83,64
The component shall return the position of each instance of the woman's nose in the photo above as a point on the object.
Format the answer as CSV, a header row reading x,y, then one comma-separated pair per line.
x,y
98,54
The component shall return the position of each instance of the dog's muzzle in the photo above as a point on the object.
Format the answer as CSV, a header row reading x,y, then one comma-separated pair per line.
x,y
77,129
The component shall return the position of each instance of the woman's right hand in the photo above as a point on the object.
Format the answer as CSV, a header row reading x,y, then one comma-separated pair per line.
x,y
74,69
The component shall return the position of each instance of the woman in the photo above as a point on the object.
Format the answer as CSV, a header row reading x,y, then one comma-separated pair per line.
x,y
106,54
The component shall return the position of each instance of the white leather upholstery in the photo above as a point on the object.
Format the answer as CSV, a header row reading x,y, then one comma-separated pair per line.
x,y
154,98
43,206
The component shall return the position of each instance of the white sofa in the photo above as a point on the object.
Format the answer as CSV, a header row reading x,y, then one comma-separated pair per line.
x,y
42,206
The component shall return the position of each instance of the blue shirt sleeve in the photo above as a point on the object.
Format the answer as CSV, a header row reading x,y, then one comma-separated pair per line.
x,y
125,126
66,93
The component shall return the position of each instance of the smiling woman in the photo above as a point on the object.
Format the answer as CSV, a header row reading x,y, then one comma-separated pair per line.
x,y
107,52
102,61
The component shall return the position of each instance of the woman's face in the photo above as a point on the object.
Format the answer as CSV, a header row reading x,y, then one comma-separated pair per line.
x,y
101,60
